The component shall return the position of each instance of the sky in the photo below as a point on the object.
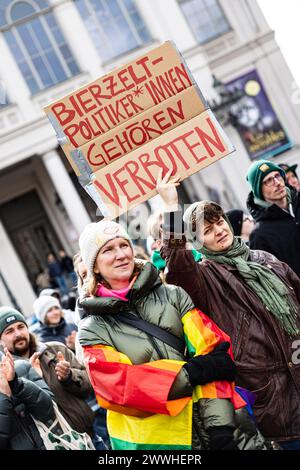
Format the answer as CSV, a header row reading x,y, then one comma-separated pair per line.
x,y
283,16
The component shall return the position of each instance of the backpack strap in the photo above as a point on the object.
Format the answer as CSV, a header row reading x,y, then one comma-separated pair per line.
x,y
152,330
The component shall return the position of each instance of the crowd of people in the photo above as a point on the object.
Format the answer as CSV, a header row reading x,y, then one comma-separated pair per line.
x,y
189,346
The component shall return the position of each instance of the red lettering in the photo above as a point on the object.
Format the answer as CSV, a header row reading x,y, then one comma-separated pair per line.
x,y
124,142
124,78
159,120
148,129
215,140
95,91
82,128
62,113
112,194
165,81
174,81
173,112
135,107
126,104
183,138
145,161
112,84
84,103
95,159
134,134
109,150
122,184
133,173
76,106
116,111
142,62
183,76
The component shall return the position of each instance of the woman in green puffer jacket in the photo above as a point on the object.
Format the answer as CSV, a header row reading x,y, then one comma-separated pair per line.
x,y
157,399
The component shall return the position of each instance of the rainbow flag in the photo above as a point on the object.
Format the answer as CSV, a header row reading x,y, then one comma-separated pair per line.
x,y
140,415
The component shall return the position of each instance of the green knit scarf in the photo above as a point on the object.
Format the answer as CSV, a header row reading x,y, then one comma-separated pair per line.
x,y
273,293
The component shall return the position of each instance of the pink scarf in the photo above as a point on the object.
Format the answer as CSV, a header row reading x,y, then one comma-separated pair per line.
x,y
103,291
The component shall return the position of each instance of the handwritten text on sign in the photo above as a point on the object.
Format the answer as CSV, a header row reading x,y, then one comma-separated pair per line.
x,y
142,129
120,95
186,149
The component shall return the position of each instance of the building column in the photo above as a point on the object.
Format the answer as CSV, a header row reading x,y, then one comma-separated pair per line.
x,y
14,275
66,191
76,35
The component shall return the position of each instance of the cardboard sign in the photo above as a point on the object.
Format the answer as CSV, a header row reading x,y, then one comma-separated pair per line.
x,y
140,130
120,95
131,179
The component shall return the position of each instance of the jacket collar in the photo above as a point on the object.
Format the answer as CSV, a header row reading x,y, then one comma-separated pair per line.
x,y
272,212
147,280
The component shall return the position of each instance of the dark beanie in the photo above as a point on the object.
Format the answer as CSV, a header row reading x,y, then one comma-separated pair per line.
x,y
257,172
235,217
288,168
8,316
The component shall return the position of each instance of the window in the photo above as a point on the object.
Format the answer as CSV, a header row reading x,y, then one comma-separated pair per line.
x,y
36,42
115,26
206,18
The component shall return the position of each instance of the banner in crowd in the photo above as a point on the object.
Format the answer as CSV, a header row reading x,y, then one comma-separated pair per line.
x,y
188,148
120,129
255,119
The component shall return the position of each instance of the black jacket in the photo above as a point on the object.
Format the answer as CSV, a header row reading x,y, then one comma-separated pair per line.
x,y
30,396
56,333
277,231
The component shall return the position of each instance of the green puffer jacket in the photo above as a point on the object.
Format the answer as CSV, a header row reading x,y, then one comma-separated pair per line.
x,y
170,308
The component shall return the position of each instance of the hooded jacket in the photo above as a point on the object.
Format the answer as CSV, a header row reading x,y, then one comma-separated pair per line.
x,y
277,231
30,396
264,354
141,380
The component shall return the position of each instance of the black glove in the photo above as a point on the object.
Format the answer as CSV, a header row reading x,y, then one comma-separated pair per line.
x,y
221,438
216,365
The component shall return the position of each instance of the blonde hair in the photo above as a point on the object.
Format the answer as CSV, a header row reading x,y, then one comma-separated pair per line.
x,y
77,259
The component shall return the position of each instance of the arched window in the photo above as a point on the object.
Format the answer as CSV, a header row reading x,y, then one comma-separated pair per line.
x,y
206,19
115,26
36,42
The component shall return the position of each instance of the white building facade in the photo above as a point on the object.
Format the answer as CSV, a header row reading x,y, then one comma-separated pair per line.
x,y
48,48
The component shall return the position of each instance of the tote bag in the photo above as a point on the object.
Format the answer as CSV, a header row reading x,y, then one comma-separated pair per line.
x,y
60,436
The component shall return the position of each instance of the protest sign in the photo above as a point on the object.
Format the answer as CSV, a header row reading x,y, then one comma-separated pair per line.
x,y
119,130
139,130
114,98
131,179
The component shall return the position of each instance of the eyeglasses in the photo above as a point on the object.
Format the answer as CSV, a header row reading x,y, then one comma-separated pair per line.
x,y
273,180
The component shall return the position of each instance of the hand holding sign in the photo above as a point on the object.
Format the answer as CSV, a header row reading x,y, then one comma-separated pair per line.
x,y
166,188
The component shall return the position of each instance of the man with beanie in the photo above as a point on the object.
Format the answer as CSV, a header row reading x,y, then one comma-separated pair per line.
x,y
53,325
55,364
276,209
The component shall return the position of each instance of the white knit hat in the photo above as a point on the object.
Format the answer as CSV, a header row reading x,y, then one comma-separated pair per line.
x,y
42,305
95,236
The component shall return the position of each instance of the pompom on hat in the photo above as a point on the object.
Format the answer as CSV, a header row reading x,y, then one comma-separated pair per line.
x,y
95,236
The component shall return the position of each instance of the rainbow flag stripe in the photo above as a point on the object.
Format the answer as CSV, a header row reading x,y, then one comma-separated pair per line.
x,y
140,415
202,335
